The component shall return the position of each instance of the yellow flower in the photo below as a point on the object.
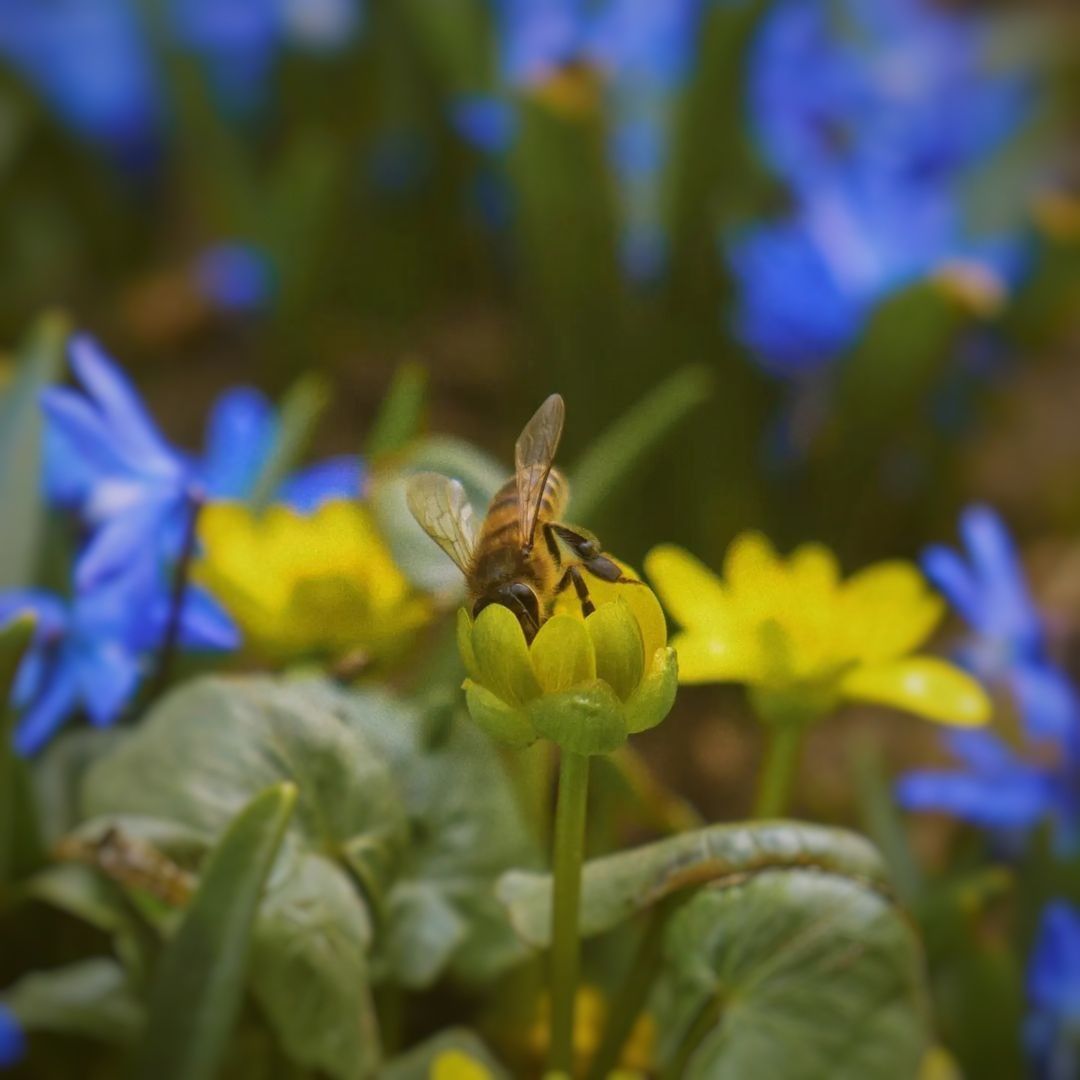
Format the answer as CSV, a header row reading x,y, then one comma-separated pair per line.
x,y
456,1065
584,683
804,640
309,584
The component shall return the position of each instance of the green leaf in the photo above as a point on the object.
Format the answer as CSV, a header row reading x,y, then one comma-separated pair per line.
x,y
90,999
793,975
20,836
40,360
616,456
309,966
210,746
199,983
401,412
301,410
616,887
418,1063
466,827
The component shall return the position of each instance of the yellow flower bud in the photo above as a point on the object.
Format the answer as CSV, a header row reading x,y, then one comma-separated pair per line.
x,y
585,683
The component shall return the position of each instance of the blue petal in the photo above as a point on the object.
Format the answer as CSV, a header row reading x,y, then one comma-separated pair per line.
x,y
241,434
1047,701
1008,609
12,1039
486,122
48,610
1053,977
122,411
206,624
108,675
950,574
40,722
235,278
336,478
1017,800
137,534
982,751
82,435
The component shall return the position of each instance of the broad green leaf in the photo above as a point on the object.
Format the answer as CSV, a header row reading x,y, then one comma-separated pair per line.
x,y
616,887
808,975
213,744
20,836
39,360
466,827
309,966
419,1063
90,998
301,410
401,413
199,982
614,458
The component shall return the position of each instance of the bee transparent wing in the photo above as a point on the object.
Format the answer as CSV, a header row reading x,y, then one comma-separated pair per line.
x,y
533,457
442,510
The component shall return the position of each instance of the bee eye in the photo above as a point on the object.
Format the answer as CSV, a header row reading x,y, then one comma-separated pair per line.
x,y
527,599
480,604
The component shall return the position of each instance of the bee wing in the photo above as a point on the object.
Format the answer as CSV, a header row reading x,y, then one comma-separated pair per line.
x,y
533,457
442,510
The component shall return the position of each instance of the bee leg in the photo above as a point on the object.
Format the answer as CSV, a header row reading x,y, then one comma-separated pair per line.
x,y
608,570
573,577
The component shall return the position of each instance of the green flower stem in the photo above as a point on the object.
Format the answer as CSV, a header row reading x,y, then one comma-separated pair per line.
x,y
776,777
565,943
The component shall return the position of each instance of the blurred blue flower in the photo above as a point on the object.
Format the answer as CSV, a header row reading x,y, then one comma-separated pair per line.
x,y
240,40
484,121
874,113
1007,646
235,278
106,459
1001,788
12,1039
90,61
538,37
1052,1030
90,653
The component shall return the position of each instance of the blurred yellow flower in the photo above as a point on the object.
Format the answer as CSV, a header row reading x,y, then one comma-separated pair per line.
x,y
803,640
457,1065
321,584
585,683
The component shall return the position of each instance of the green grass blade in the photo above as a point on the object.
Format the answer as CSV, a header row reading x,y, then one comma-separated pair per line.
x,y
199,983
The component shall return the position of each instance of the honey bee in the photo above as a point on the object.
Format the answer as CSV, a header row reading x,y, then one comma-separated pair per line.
x,y
523,557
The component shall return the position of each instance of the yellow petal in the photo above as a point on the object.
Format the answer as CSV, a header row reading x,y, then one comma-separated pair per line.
x,y
692,593
502,656
887,611
751,564
562,654
922,685
814,573
646,609
455,1065
704,658
620,655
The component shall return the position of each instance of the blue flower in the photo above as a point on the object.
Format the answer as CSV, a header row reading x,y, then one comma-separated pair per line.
x,y
1004,789
106,459
90,61
1052,1031
874,113
12,1039
91,653
235,278
1007,646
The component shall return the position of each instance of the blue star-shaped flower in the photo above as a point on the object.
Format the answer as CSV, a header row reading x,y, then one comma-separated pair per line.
x,y
1052,1031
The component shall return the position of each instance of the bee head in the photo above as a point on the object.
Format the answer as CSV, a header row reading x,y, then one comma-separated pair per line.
x,y
520,599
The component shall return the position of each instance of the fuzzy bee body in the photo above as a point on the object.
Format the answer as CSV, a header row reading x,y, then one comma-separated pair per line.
x,y
523,556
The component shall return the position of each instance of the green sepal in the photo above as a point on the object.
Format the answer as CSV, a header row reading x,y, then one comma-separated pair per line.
x,y
654,698
502,722
585,720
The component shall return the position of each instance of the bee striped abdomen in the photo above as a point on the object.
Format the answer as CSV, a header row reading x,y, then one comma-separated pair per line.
x,y
500,525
